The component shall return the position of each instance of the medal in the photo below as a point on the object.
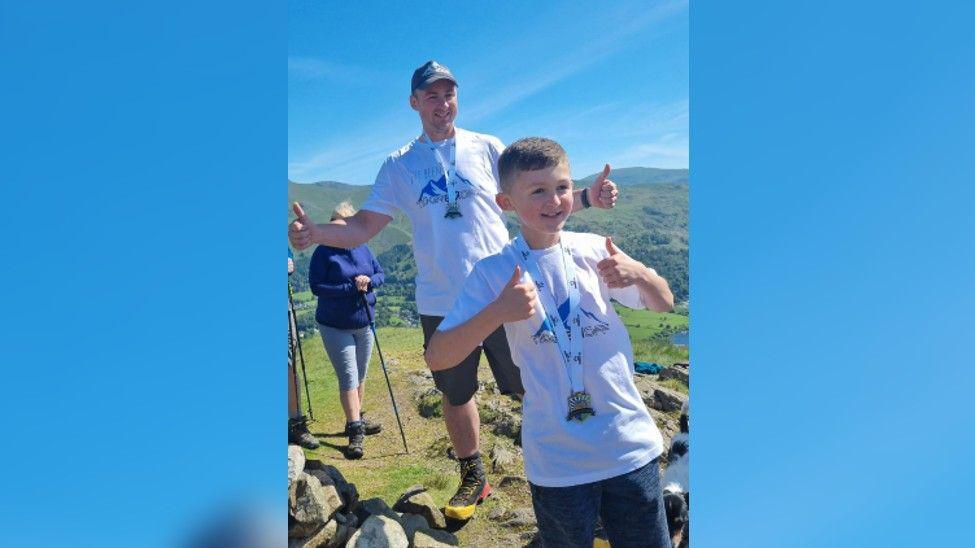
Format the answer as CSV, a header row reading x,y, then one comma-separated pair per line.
x,y
567,333
580,407
452,211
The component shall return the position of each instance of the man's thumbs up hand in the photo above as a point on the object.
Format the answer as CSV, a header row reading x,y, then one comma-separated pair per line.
x,y
299,231
603,192
517,300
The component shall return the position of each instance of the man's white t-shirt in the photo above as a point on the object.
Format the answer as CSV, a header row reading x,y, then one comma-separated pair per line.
x,y
412,181
622,436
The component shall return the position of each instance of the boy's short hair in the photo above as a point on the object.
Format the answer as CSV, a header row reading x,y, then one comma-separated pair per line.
x,y
528,154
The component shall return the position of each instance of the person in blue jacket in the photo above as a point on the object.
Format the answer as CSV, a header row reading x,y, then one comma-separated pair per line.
x,y
339,278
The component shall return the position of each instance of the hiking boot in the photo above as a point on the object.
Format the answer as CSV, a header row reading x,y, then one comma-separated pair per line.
x,y
371,427
298,434
473,489
357,435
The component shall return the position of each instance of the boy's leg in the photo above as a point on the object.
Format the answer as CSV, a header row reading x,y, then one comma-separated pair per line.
x,y
566,516
506,373
458,385
632,508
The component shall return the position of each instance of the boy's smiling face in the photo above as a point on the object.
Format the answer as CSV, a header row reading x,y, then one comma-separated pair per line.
x,y
542,199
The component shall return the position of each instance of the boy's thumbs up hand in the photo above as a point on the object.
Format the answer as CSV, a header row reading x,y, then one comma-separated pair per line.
x,y
619,269
603,192
300,230
517,300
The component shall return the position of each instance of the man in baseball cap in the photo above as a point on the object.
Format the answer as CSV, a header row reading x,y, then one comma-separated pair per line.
x,y
445,181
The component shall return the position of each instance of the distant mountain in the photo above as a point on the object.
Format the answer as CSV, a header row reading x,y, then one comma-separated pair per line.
x,y
649,222
625,176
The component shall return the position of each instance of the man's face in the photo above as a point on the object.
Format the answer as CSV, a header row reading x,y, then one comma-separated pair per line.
x,y
437,106
541,198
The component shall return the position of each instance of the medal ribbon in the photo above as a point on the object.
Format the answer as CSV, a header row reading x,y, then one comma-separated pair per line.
x,y
449,169
568,338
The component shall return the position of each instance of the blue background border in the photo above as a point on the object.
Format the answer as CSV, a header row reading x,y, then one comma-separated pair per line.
x,y
831,260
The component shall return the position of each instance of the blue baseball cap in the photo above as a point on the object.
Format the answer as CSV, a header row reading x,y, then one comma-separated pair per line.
x,y
430,72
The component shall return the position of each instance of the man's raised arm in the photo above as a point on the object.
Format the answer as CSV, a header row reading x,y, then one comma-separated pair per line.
x,y
347,233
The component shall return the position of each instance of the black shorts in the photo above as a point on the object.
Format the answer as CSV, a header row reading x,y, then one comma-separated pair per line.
x,y
460,383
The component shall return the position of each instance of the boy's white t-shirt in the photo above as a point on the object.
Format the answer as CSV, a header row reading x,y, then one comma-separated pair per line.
x,y
622,436
412,181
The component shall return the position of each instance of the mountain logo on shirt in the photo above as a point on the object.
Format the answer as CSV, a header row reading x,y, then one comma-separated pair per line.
x,y
592,325
435,191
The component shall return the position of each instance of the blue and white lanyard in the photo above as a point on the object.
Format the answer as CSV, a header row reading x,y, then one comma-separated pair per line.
x,y
449,169
571,349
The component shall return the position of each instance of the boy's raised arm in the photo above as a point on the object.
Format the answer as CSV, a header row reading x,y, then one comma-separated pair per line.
x,y
348,233
620,270
448,348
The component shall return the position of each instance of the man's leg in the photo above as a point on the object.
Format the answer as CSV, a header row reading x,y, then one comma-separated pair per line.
x,y
458,386
463,425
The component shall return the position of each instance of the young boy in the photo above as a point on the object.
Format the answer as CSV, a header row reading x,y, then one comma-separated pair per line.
x,y
591,447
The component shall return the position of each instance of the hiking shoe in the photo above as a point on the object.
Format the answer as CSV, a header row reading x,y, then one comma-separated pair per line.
x,y
371,427
473,489
357,435
298,434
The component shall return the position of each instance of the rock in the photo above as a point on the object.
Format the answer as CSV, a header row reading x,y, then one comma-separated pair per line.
x,y
675,373
313,507
496,514
379,532
331,535
668,427
374,507
520,517
531,537
433,538
503,456
331,492
348,492
430,403
512,482
491,410
668,400
416,500
411,523
644,384
296,463
421,378
508,424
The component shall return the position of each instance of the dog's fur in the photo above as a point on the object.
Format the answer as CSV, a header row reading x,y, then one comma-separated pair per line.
x,y
677,496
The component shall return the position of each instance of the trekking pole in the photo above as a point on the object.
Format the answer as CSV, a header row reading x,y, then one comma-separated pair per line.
x,y
382,362
293,316
291,365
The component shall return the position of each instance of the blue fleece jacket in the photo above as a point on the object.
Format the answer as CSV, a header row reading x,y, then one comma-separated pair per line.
x,y
331,276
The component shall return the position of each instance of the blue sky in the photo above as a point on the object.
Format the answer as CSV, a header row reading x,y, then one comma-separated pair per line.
x,y
609,82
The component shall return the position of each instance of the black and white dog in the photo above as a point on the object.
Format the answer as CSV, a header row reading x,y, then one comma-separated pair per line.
x,y
677,496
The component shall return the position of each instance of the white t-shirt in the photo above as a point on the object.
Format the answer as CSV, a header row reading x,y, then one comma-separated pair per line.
x,y
622,436
412,181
